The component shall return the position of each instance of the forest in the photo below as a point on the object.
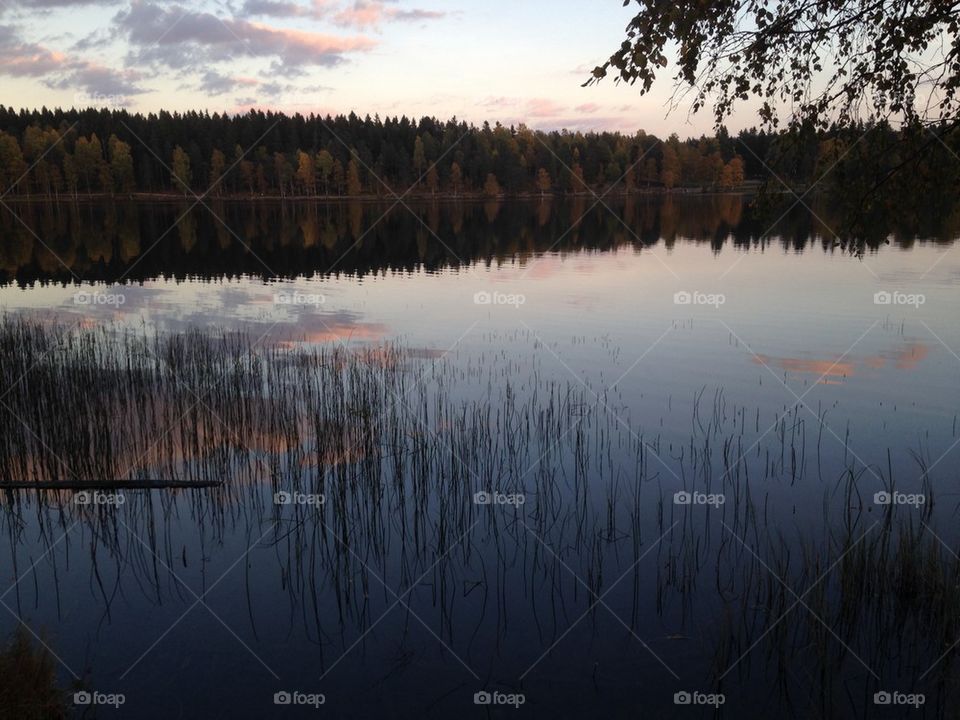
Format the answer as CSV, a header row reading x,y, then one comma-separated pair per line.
x,y
62,154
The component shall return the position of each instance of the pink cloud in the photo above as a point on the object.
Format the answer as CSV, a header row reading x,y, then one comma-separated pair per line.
x,y
361,14
183,38
589,107
371,13
24,59
308,42
19,58
542,107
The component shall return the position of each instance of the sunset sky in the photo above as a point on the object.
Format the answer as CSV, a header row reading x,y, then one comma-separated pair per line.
x,y
509,61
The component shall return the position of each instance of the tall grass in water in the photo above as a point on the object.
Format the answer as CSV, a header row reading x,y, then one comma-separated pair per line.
x,y
108,404
399,446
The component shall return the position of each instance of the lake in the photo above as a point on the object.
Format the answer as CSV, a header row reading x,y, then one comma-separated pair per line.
x,y
653,457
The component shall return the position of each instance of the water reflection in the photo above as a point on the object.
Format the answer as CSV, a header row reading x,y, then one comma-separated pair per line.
x,y
599,591
113,243
397,399
834,370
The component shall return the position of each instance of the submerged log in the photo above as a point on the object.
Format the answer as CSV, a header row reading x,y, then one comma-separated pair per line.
x,y
106,484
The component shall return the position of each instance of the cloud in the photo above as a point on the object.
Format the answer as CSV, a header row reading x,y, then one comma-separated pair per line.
x,y
96,40
542,107
98,80
285,8
584,124
547,114
360,14
512,108
19,58
273,8
182,39
276,96
500,102
829,371
904,358
213,82
49,4
372,13
417,15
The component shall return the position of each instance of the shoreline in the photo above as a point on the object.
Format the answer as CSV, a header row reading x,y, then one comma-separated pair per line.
x,y
169,197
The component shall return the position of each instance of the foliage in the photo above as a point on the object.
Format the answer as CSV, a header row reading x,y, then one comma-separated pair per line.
x,y
826,62
270,154
872,170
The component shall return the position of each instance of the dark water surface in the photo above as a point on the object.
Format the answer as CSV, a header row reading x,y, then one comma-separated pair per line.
x,y
584,364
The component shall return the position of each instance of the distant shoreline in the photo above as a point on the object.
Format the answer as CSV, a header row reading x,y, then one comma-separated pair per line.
x,y
172,197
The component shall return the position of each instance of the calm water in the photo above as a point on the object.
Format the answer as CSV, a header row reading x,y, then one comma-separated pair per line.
x,y
597,360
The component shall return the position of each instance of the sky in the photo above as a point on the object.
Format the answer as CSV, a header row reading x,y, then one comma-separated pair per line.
x,y
512,62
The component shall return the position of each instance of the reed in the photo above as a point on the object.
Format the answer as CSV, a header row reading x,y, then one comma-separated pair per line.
x,y
398,446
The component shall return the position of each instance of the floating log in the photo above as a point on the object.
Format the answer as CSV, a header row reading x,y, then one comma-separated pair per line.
x,y
107,484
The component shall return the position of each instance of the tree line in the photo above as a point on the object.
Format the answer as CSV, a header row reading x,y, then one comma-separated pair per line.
x,y
69,153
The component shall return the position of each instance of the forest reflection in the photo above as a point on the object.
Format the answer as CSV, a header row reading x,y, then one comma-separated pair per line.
x,y
130,241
